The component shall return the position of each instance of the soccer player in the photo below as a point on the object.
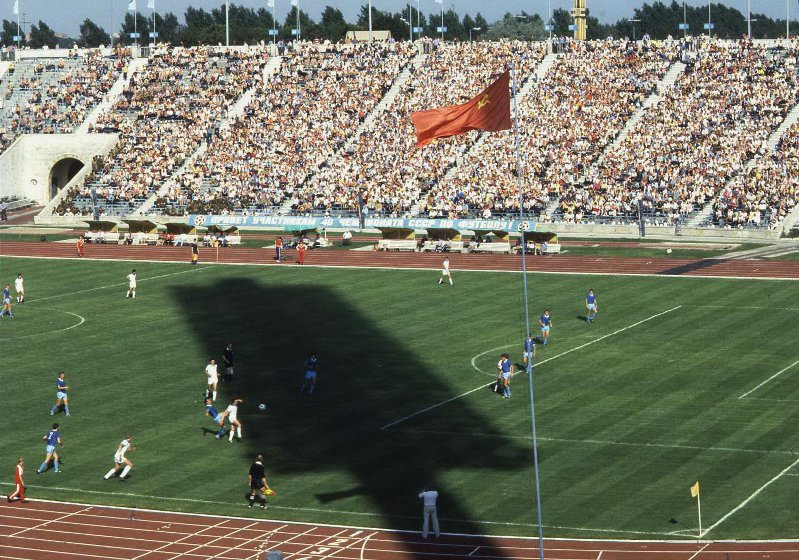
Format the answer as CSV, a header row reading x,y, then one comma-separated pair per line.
x,y
232,413
591,305
18,495
217,417
227,357
19,287
257,479
60,395
545,321
51,438
529,349
120,459
132,284
213,379
79,245
311,368
445,273
506,372
7,301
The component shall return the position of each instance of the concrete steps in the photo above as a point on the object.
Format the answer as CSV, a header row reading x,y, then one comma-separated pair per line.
x,y
134,67
791,118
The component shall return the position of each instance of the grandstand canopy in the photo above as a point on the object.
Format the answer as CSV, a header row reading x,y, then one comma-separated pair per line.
x,y
447,234
541,236
144,226
222,229
502,235
397,233
180,227
102,225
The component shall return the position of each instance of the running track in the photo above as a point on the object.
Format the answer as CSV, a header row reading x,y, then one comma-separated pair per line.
x,y
39,529
728,268
46,530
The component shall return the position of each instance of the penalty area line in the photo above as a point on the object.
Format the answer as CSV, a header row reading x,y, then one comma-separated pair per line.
x,y
767,380
484,385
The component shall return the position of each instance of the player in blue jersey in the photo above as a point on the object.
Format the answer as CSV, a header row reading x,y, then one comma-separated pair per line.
x,y
7,301
591,306
545,322
60,395
529,349
311,368
217,417
505,367
51,438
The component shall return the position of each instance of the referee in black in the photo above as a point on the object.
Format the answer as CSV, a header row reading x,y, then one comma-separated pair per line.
x,y
227,358
258,485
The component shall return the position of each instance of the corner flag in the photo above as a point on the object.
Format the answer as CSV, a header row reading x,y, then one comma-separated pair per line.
x,y
695,490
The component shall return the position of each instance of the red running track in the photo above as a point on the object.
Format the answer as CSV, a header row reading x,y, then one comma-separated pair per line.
x,y
725,268
41,530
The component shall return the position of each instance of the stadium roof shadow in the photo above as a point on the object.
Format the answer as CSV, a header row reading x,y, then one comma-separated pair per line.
x,y
692,267
367,378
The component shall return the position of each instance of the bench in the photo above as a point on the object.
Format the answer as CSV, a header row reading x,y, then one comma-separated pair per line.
x,y
454,246
493,248
551,249
234,240
396,245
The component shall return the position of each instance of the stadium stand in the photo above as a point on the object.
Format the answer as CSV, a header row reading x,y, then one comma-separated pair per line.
x,y
54,95
162,117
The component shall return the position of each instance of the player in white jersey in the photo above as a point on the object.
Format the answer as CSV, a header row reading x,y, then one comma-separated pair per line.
x,y
232,412
131,284
445,273
213,378
19,286
120,460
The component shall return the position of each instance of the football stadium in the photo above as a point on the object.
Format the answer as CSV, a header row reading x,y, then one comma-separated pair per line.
x,y
382,284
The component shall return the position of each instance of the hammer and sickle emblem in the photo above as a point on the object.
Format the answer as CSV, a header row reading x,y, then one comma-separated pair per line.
x,y
485,100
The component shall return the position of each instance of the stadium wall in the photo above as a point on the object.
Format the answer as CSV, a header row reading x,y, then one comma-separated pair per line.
x,y
29,165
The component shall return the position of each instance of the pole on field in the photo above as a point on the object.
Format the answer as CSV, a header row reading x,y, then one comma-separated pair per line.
x,y
527,311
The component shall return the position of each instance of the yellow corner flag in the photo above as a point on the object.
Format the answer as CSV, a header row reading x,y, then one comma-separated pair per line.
x,y
695,490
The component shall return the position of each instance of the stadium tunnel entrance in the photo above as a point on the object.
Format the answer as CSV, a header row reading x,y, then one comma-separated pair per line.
x,y
62,172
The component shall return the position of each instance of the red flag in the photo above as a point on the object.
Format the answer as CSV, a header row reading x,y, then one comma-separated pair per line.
x,y
490,110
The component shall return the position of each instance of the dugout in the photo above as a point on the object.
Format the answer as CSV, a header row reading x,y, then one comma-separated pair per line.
x,y
443,239
541,242
491,241
102,231
316,237
141,226
397,239
176,228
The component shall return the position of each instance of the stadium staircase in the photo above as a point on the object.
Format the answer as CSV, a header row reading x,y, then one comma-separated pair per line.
x,y
237,109
790,120
134,66
527,85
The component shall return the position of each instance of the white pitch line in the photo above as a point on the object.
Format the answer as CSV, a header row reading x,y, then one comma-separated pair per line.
x,y
119,284
76,325
734,307
769,379
750,498
537,364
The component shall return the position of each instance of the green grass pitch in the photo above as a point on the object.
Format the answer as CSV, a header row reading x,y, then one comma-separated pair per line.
x,y
631,409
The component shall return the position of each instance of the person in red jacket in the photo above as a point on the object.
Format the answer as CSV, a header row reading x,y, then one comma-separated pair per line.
x,y
19,479
301,252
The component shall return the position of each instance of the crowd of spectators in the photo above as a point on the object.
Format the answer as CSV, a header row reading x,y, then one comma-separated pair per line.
x,y
766,192
565,121
685,149
297,119
54,96
382,164
161,118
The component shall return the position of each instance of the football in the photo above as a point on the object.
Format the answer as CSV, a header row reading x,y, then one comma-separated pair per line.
x,y
262,407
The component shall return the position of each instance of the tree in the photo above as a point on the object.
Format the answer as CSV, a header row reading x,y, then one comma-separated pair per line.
x,y
561,20
9,32
308,27
92,35
167,27
142,27
332,25
42,36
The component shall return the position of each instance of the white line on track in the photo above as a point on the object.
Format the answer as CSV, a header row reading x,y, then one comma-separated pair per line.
x,y
769,379
604,442
211,542
536,365
45,523
750,498
698,552
56,296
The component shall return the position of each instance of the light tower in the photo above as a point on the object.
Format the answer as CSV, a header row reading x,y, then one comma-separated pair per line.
x,y
579,13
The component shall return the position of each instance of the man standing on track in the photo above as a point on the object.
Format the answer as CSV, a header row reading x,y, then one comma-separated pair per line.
x,y
429,497
18,495
79,245
278,248
195,253
301,252
259,489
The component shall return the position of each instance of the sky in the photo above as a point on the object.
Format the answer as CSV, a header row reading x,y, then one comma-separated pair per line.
x,y
66,15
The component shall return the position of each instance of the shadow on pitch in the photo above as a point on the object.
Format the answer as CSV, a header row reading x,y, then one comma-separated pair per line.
x,y
368,377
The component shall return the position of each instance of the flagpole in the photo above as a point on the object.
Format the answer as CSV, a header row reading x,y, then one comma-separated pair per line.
x,y
19,33
227,23
370,21
154,32
526,308
699,511
299,31
442,20
135,21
